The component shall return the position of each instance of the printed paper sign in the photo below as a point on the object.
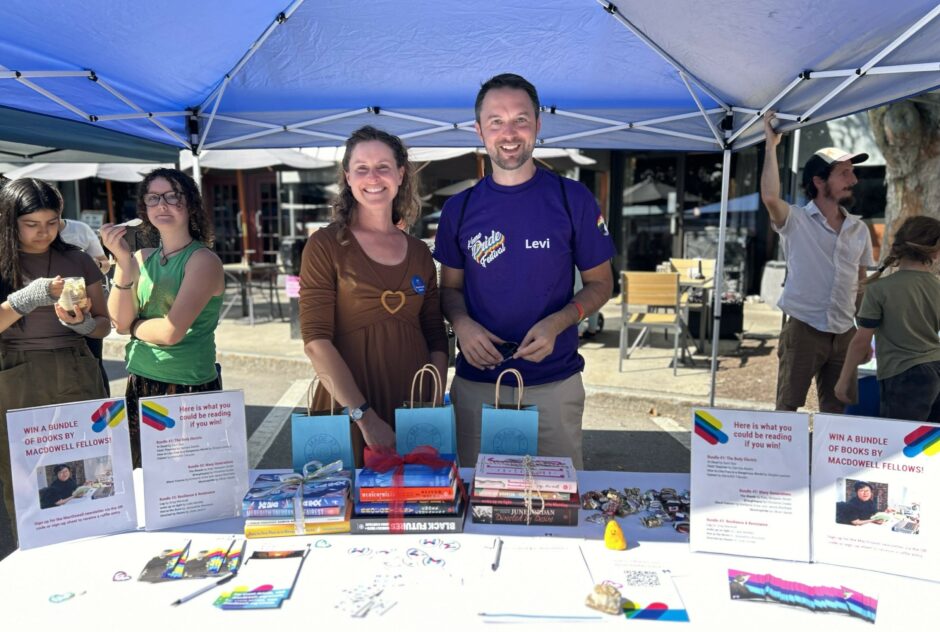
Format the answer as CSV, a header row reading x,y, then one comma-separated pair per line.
x,y
875,497
750,483
195,457
72,474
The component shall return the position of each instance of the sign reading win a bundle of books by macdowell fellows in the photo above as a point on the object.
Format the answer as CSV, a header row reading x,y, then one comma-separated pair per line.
x,y
194,456
72,474
873,492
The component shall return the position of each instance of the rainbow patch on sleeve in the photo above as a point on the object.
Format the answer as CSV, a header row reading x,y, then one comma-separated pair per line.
x,y
156,416
108,415
926,439
709,428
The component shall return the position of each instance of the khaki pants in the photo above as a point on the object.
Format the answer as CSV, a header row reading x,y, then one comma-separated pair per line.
x,y
560,405
805,353
40,378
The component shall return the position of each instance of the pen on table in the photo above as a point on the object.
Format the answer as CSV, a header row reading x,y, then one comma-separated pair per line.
x,y
498,545
204,589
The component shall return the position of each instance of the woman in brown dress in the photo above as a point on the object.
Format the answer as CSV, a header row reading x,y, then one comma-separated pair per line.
x,y
369,305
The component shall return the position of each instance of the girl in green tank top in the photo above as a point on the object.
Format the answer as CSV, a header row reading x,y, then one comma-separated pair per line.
x,y
167,298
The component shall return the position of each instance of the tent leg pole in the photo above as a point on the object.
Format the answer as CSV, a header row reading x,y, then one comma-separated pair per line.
x,y
197,172
720,269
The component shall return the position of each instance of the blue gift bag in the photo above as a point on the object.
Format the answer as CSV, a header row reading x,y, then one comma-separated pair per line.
x,y
321,436
426,423
509,430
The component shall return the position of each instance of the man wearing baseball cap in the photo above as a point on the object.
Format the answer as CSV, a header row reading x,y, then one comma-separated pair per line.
x,y
827,251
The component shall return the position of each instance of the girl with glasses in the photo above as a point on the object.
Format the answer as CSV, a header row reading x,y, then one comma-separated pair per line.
x,y
43,356
167,298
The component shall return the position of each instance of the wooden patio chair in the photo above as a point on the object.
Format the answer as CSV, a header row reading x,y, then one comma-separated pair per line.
x,y
650,300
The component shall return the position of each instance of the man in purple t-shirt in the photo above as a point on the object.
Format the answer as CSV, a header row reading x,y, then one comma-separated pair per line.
x,y
508,248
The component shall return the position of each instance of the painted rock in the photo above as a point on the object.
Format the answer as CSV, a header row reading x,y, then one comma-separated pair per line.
x,y
605,598
614,538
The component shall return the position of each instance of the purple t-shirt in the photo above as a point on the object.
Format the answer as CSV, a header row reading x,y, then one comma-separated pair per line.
x,y
518,248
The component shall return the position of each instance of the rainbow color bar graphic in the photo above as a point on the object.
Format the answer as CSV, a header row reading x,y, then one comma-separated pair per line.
x,y
108,415
926,440
709,428
156,416
656,611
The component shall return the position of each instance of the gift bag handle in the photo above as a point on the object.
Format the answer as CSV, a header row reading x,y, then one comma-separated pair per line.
x,y
518,381
435,379
312,389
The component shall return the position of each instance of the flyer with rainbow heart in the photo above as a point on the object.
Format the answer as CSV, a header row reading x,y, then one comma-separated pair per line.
x,y
72,474
195,457
750,483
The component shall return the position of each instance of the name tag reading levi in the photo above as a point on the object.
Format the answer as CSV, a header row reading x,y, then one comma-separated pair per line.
x,y
417,284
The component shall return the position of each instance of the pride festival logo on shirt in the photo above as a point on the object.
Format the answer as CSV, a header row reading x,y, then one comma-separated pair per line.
x,y
156,416
926,440
108,415
709,428
485,250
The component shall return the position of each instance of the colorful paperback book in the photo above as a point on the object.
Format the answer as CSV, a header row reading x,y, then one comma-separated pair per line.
x,y
414,475
388,494
410,524
520,502
490,492
409,508
271,491
309,512
502,514
555,499
546,473
266,529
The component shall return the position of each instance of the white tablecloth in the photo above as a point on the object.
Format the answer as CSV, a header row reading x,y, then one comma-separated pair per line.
x,y
87,567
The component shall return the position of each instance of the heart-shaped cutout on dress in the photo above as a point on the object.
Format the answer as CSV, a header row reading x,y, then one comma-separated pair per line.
x,y
384,300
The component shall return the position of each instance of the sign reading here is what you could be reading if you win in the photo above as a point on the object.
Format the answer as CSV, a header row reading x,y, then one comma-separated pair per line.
x,y
750,483
195,457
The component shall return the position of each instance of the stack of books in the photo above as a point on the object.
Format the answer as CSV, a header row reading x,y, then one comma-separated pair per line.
x,y
429,499
506,490
279,505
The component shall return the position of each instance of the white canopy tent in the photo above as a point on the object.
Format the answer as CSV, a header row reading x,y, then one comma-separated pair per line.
x,y
685,75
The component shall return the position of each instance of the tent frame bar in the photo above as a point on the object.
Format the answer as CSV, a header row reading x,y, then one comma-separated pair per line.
x,y
612,9
698,102
887,50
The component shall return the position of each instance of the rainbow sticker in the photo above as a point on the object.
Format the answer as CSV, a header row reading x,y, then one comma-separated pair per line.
x,y
108,415
602,225
654,612
156,416
925,439
709,428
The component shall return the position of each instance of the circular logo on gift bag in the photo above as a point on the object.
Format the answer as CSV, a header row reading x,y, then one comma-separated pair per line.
x,y
323,448
510,441
425,434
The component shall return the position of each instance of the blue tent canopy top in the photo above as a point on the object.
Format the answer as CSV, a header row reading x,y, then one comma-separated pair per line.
x,y
680,75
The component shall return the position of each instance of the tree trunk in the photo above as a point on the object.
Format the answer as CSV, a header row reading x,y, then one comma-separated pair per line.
x,y
908,134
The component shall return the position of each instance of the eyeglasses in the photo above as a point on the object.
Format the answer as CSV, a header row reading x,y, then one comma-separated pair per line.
x,y
172,198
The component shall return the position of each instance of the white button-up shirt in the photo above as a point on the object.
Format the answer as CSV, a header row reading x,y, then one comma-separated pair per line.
x,y
822,267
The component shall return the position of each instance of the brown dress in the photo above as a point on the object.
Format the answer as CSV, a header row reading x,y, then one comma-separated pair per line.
x,y
341,292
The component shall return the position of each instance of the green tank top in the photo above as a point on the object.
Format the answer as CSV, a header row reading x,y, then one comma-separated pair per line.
x,y
192,360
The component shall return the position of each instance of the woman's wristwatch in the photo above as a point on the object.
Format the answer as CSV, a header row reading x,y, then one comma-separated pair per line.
x,y
358,412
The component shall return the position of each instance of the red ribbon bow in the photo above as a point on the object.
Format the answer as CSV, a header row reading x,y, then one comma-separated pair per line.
x,y
385,459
